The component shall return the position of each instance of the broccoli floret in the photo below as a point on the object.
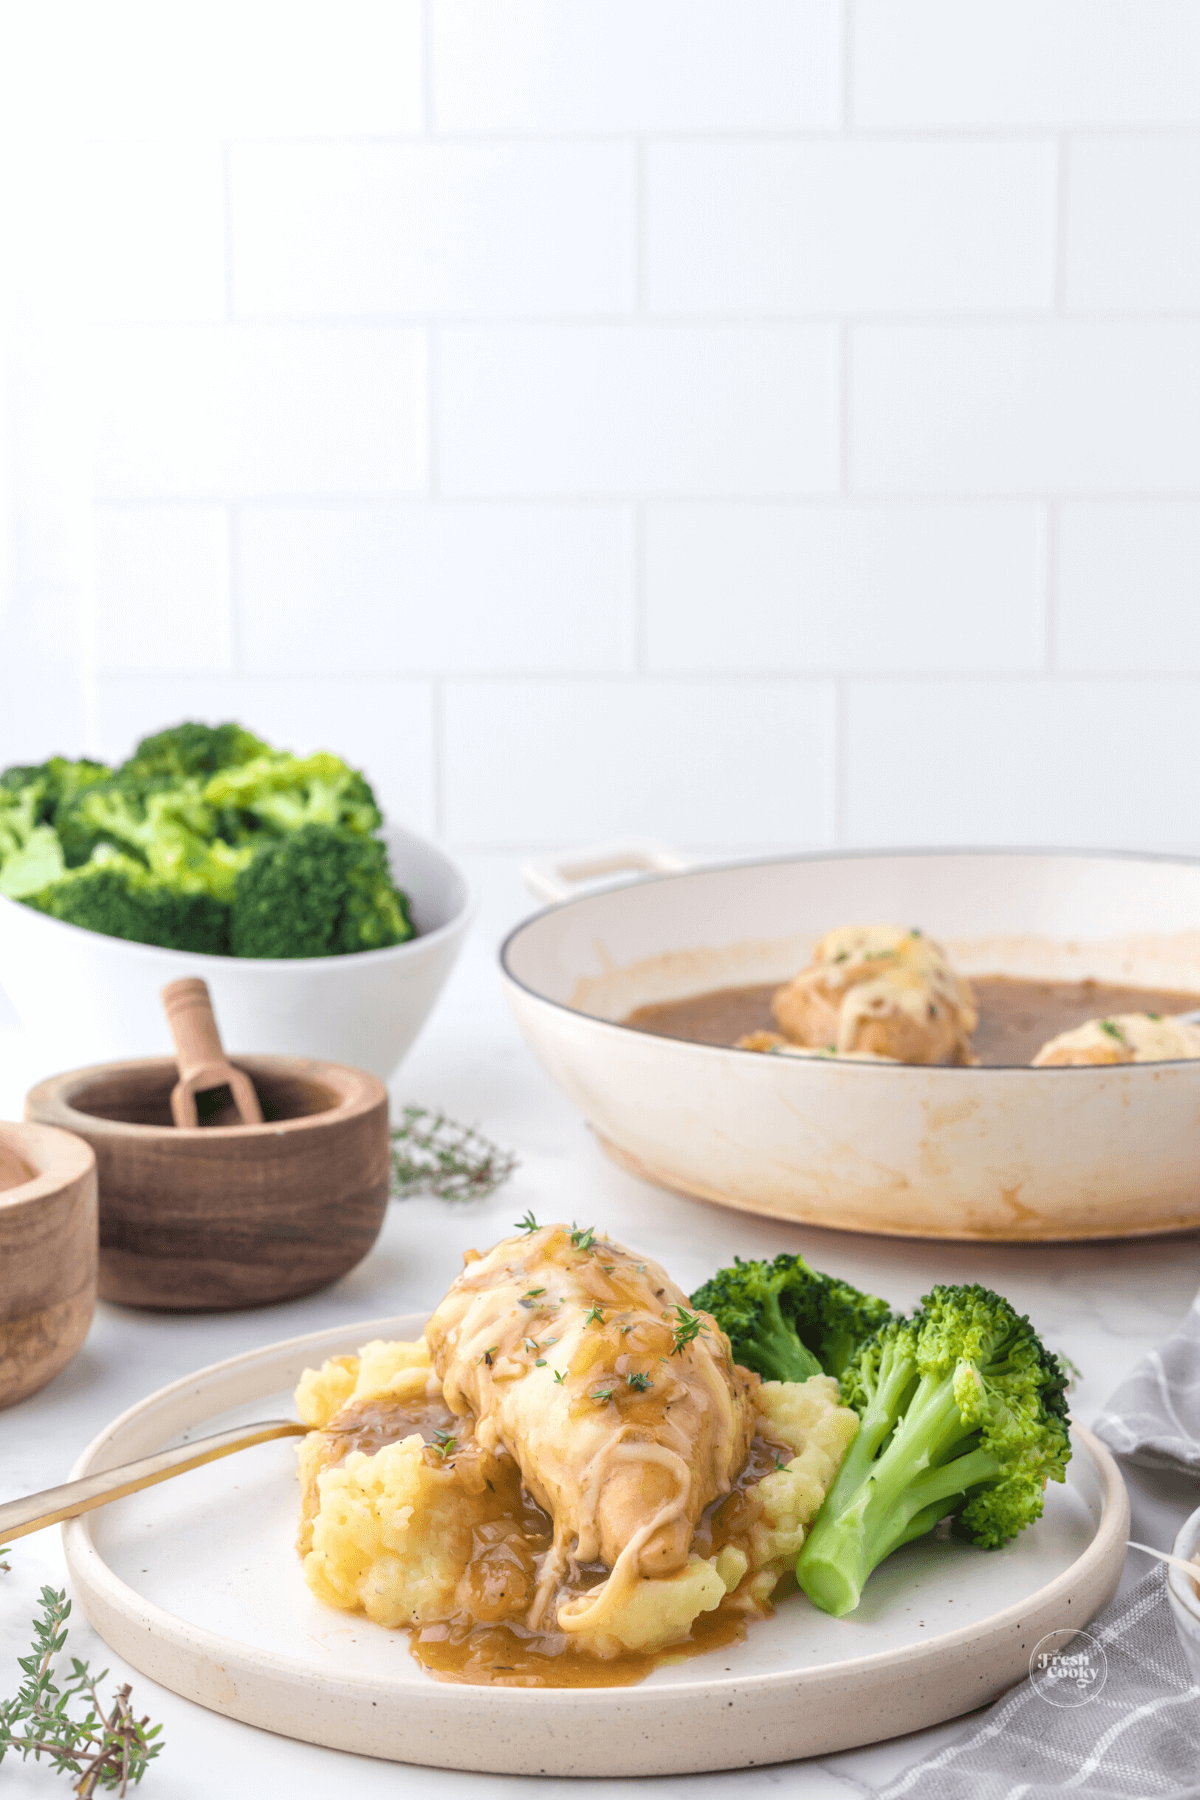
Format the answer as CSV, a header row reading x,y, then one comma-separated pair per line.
x,y
168,828
32,800
962,1414
282,793
52,784
321,891
189,750
787,1321
119,897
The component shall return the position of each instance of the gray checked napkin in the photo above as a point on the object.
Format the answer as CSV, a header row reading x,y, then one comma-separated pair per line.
x,y
1137,1739
1154,1416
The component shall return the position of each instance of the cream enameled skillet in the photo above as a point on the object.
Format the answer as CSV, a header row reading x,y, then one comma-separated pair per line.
x,y
1004,1153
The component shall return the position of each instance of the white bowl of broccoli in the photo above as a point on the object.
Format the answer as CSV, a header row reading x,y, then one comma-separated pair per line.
x,y
319,930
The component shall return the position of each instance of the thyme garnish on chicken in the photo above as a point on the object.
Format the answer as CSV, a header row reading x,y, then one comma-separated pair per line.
x,y
688,1327
432,1154
583,1238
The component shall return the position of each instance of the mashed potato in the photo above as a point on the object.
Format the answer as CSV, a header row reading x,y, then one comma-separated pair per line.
x,y
425,1528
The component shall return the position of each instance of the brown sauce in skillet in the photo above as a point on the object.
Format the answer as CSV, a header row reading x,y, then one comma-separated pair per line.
x,y
1016,1017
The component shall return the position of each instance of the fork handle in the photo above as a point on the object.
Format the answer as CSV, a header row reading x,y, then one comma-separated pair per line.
x,y
19,1517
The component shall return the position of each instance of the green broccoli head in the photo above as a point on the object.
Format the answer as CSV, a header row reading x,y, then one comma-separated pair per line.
x,y
44,789
745,1302
787,1321
30,854
119,897
323,890
156,850
32,801
190,751
165,825
279,793
962,1415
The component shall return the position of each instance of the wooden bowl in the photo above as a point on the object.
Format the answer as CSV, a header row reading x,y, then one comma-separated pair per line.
x,y
222,1217
47,1254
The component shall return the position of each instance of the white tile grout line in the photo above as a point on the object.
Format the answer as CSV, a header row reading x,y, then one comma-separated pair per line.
x,y
1013,318
845,350
1174,679
227,223
640,620
841,753
641,229
847,71
824,501
433,473
233,530
856,499
1050,575
1028,131
1061,226
428,123
437,765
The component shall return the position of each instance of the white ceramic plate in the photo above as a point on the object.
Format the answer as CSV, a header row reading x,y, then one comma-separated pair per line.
x,y
196,1584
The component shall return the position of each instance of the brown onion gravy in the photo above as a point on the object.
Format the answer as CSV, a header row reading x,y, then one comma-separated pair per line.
x,y
1016,1017
488,1642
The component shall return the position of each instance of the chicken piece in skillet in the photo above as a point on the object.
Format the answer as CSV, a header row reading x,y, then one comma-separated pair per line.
x,y
1129,1037
880,988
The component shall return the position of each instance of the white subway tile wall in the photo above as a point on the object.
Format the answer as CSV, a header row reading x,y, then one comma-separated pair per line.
x,y
750,422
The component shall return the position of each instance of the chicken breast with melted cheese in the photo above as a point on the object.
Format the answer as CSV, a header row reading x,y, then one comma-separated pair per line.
x,y
881,989
1125,1038
623,1410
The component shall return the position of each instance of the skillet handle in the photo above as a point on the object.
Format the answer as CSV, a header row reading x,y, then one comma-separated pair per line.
x,y
558,875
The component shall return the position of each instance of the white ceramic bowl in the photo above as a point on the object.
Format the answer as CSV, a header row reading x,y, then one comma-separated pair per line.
x,y
86,999
1182,1596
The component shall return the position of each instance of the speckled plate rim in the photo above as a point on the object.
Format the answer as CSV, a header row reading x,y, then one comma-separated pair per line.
x,y
684,1728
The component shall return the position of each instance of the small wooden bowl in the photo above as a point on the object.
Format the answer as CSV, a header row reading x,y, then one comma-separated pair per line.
x,y
47,1255
222,1217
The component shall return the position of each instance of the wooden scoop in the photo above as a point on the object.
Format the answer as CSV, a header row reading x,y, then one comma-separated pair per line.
x,y
203,1064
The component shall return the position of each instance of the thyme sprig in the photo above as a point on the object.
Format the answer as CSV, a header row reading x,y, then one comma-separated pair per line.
x,y
432,1154
105,1750
688,1327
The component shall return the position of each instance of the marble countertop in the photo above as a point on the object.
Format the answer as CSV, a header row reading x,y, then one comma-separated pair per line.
x,y
1104,1305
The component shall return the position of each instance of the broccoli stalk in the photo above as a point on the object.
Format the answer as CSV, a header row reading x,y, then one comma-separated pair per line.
x,y
962,1414
787,1321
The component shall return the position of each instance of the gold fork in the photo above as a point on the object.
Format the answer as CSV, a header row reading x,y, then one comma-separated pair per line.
x,y
19,1517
